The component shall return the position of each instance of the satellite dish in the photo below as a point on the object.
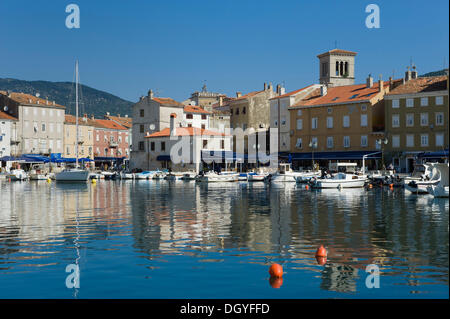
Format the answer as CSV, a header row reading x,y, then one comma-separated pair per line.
x,y
152,126
183,123
5,108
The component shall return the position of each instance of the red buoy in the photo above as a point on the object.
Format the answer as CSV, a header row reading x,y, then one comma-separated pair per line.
x,y
321,251
276,270
306,187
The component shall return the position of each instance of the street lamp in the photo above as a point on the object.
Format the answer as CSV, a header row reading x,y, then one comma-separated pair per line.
x,y
313,145
381,142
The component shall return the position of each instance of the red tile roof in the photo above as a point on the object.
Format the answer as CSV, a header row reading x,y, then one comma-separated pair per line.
x,y
167,101
425,84
290,93
250,94
341,94
70,119
185,131
108,124
124,121
26,99
5,116
195,109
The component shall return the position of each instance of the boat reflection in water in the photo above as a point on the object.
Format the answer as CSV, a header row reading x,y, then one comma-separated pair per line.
x,y
138,235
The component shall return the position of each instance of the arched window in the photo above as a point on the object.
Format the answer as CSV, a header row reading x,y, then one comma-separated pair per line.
x,y
337,68
342,68
346,68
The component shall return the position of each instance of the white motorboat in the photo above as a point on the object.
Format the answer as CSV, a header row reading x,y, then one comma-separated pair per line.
x,y
74,174
214,177
285,174
109,175
17,175
256,177
158,175
305,177
39,176
424,184
440,189
339,180
125,175
188,176
420,173
144,175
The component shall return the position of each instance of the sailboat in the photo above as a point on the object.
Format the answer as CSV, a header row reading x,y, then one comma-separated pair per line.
x,y
74,174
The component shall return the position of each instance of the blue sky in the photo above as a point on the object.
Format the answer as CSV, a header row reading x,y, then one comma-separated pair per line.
x,y
173,46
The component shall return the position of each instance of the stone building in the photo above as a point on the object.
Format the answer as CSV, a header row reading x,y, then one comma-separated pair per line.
x,y
337,67
417,121
39,126
6,125
85,137
204,98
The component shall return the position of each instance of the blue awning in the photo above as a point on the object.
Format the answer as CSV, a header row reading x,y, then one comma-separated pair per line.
x,y
113,159
437,154
163,158
351,155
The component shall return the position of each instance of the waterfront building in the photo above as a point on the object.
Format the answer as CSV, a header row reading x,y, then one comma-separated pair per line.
x,y
39,126
110,142
339,123
279,114
196,142
6,127
151,114
417,121
125,121
85,137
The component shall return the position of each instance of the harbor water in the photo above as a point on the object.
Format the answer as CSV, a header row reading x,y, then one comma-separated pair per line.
x,y
160,239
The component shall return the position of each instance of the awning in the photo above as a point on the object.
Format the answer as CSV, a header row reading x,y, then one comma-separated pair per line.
x,y
351,155
221,156
163,158
437,154
105,159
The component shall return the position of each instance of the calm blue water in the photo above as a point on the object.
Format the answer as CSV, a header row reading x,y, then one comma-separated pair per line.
x,y
150,239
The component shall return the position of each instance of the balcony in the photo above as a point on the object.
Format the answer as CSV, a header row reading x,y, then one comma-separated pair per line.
x,y
113,144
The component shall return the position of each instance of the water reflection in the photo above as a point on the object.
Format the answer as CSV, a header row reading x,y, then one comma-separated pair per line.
x,y
407,236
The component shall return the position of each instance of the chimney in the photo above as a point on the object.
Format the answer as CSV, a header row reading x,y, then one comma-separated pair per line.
x,y
172,124
54,103
270,86
414,73
150,94
220,100
369,81
408,75
118,115
380,84
282,90
391,83
265,86
323,90
238,94
93,117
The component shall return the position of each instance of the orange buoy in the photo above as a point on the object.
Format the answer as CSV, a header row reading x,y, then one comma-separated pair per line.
x,y
321,252
321,260
276,282
306,187
391,185
370,185
276,270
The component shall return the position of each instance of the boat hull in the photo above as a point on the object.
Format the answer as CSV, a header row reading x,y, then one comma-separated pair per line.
x,y
72,176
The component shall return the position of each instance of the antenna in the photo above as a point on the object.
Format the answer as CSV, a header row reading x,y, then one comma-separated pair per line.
x,y
335,44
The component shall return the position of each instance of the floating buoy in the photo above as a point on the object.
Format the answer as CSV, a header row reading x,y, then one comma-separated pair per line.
x,y
49,180
306,187
391,185
321,260
276,282
93,181
276,270
321,252
370,186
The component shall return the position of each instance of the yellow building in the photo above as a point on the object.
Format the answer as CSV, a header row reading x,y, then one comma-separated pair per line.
x,y
85,137
339,123
417,121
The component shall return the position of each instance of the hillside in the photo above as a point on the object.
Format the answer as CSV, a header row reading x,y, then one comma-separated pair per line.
x,y
435,73
92,101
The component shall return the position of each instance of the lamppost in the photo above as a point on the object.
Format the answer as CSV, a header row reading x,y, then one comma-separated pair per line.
x,y
381,142
313,145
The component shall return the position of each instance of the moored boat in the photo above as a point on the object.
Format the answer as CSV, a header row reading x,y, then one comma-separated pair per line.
x,y
214,177
339,180
17,175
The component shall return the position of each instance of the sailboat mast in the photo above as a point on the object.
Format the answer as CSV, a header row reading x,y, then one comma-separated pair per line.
x,y
76,112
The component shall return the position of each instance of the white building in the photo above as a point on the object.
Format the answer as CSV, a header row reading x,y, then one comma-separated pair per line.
x,y
39,128
180,148
281,118
6,125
